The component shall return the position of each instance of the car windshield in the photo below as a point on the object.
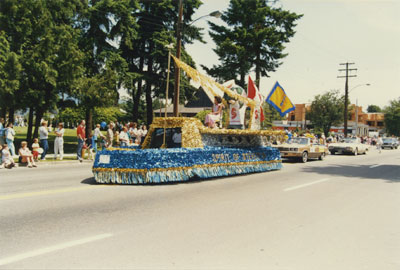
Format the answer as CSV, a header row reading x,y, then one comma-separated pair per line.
x,y
350,140
387,140
300,140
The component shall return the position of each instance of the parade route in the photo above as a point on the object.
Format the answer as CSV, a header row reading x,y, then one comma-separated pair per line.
x,y
340,213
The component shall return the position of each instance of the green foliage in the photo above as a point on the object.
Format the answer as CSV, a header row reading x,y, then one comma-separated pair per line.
x,y
270,115
75,115
326,110
373,108
202,115
392,118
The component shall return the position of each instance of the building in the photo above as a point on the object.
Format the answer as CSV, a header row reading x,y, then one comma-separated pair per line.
x,y
359,123
200,103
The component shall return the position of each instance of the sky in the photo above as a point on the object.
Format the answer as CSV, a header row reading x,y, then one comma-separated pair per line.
x,y
331,32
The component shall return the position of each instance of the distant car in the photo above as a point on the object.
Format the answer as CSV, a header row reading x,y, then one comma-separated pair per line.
x,y
391,143
302,148
348,146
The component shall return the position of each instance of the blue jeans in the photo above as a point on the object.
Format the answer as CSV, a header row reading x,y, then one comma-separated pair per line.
x,y
80,146
45,146
11,146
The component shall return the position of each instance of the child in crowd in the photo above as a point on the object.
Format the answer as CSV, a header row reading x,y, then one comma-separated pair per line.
x,y
35,149
26,155
6,159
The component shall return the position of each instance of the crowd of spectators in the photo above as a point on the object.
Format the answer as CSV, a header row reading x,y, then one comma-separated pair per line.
x,y
117,134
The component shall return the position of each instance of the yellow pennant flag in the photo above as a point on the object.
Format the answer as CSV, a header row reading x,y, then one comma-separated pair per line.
x,y
279,100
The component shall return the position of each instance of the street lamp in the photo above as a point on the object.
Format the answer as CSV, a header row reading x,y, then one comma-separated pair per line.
x,y
216,14
363,84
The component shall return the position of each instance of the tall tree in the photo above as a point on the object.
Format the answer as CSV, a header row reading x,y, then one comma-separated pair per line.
x,y
326,110
253,40
373,108
104,23
392,117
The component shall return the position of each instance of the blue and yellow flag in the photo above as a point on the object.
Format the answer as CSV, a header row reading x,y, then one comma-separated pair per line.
x,y
279,100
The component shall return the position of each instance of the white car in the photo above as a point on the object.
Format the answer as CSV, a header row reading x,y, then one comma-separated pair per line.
x,y
348,146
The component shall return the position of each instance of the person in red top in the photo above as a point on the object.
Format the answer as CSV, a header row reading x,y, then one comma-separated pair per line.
x,y
80,133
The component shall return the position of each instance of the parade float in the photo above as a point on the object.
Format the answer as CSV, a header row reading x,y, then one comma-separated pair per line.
x,y
203,153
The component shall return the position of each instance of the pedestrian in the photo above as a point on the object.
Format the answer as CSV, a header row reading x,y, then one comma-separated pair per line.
x,y
7,160
25,155
133,131
44,136
80,133
2,132
379,143
123,137
110,135
97,136
10,134
36,149
59,141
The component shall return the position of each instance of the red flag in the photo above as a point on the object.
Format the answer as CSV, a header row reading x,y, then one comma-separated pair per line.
x,y
251,89
252,92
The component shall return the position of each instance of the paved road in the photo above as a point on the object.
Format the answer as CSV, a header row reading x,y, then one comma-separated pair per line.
x,y
340,213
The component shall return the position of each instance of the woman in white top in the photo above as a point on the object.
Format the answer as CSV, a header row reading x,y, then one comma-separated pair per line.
x,y
59,141
216,114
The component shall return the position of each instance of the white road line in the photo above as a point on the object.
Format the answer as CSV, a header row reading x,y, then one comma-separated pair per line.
x,y
374,166
306,185
42,251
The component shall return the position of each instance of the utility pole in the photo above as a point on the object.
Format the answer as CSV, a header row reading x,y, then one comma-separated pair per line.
x,y
346,93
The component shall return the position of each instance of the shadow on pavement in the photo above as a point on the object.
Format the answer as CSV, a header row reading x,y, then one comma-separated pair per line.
x,y
89,181
390,173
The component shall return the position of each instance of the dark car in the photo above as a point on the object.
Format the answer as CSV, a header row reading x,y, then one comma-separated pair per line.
x,y
391,143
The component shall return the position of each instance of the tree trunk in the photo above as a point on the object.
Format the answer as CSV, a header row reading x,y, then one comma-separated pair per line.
x,y
258,71
89,122
30,124
3,113
136,97
242,81
39,115
149,100
11,114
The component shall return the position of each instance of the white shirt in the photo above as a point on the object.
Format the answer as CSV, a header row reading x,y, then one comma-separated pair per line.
x,y
61,131
43,133
6,155
97,133
123,137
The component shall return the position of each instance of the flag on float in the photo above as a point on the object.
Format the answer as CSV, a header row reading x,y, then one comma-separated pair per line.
x,y
279,100
253,93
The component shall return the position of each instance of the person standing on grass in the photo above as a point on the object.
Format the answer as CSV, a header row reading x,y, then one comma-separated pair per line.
x,y
44,136
10,134
80,133
59,141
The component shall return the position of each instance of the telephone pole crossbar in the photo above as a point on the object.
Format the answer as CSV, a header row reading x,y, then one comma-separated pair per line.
x,y
346,93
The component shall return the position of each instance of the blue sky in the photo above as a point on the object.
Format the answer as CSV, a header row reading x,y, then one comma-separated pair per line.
x,y
366,32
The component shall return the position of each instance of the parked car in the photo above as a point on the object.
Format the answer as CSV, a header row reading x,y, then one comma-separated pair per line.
x,y
391,143
302,148
348,146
